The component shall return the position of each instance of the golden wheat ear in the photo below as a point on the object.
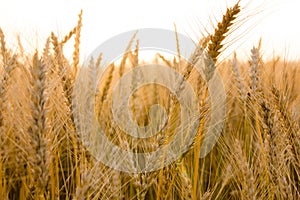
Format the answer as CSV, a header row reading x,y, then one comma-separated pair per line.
x,y
4,50
215,44
76,54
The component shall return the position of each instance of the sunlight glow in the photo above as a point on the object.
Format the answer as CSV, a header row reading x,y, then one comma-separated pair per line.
x,y
34,20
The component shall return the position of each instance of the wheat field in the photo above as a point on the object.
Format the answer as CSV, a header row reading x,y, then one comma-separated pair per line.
x,y
42,156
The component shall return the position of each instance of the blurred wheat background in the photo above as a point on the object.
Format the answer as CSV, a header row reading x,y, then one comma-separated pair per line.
x,y
42,155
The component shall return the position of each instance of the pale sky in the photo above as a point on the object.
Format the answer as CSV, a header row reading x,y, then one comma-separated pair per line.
x,y
276,21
